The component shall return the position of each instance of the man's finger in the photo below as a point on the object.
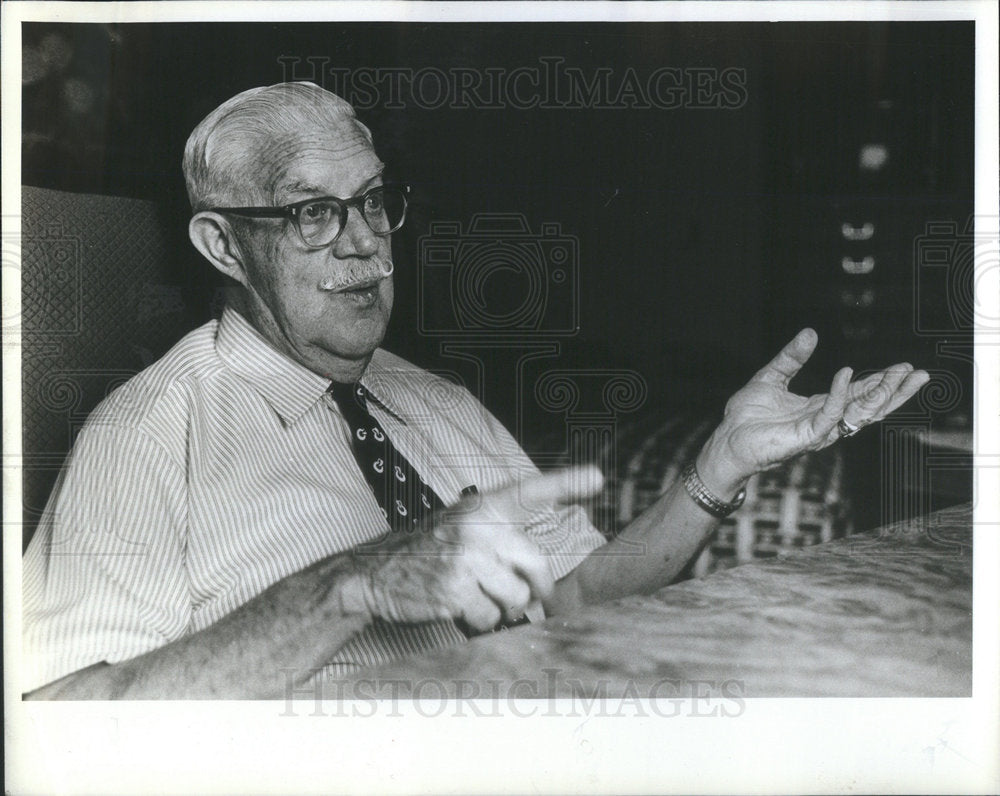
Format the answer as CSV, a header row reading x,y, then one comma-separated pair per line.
x,y
863,387
872,401
789,360
875,390
906,390
559,486
833,406
895,376
510,593
481,612
522,556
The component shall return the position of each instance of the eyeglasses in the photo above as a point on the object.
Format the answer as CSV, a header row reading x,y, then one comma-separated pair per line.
x,y
320,221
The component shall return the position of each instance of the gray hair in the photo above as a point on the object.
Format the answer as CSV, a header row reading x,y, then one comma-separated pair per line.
x,y
222,151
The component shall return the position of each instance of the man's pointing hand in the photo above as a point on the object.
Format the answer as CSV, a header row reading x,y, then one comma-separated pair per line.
x,y
476,563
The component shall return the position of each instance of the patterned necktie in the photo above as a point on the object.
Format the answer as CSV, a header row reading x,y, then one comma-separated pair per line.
x,y
405,499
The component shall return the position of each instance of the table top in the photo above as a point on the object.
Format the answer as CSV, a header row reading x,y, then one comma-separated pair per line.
x,y
887,613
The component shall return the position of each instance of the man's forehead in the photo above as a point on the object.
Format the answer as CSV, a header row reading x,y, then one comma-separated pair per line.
x,y
320,160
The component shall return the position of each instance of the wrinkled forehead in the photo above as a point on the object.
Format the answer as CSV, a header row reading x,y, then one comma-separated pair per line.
x,y
336,159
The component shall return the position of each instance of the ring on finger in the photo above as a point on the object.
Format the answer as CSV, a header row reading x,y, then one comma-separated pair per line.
x,y
848,429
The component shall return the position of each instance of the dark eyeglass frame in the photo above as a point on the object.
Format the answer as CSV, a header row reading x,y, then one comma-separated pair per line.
x,y
292,212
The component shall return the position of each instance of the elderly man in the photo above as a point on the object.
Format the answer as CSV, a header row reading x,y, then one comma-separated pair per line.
x,y
278,494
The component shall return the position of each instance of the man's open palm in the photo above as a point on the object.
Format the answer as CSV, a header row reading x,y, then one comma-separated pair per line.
x,y
765,423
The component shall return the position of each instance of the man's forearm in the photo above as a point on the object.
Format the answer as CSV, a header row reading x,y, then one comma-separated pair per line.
x,y
653,549
296,624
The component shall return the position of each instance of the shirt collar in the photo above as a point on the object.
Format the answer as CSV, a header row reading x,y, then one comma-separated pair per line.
x,y
290,388
379,382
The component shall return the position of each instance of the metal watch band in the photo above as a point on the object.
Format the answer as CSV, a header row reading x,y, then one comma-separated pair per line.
x,y
703,497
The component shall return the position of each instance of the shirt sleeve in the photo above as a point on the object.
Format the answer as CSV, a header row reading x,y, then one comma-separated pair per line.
x,y
565,535
104,576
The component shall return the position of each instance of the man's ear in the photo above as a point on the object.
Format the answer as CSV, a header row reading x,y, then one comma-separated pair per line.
x,y
212,235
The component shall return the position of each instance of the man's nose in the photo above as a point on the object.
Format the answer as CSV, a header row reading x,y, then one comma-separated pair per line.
x,y
357,238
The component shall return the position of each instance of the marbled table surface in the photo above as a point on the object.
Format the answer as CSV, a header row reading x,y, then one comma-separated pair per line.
x,y
885,613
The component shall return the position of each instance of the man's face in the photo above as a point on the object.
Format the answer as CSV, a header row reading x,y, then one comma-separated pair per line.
x,y
332,332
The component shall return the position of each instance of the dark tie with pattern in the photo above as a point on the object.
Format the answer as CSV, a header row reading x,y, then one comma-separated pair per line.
x,y
404,497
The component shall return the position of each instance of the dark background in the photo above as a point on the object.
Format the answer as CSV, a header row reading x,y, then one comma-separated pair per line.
x,y
706,236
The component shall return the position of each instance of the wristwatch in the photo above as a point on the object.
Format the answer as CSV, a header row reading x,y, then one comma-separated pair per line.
x,y
703,497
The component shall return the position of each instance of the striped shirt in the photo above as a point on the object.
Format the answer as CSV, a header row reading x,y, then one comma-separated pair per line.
x,y
225,467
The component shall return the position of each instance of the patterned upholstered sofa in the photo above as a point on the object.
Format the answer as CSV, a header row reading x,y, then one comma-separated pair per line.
x,y
104,294
108,284
802,503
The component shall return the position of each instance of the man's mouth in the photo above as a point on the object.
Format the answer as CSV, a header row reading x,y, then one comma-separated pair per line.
x,y
363,284
359,287
364,292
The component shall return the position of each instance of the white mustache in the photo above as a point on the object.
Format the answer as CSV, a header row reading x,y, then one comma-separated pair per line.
x,y
335,285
